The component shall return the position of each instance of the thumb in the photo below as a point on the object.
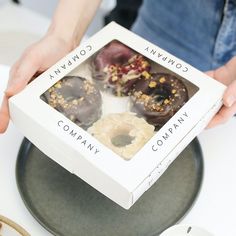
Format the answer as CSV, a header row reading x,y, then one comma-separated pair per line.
x,y
20,76
4,114
230,95
210,73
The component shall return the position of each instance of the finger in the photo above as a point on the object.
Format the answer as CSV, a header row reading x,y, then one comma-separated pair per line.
x,y
4,115
13,71
222,116
216,120
210,73
14,68
230,95
223,75
231,65
22,74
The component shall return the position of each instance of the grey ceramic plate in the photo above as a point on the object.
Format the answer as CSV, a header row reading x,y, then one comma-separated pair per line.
x,y
67,206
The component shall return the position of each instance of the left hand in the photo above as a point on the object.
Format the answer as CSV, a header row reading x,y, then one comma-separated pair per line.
x,y
227,75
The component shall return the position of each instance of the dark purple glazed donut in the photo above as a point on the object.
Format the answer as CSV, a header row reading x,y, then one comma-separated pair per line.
x,y
157,99
77,98
118,67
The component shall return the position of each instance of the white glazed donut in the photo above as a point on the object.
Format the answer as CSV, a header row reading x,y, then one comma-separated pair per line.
x,y
123,133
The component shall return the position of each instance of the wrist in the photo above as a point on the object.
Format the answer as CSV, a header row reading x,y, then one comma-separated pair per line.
x,y
65,35
71,20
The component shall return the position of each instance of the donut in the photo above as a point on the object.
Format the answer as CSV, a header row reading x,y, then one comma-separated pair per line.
x,y
117,67
123,133
157,99
77,98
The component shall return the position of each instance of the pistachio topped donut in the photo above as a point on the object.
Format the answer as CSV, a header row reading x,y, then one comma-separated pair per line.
x,y
157,99
77,98
118,67
124,133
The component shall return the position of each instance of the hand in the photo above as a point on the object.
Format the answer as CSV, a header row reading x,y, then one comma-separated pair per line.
x,y
35,59
227,75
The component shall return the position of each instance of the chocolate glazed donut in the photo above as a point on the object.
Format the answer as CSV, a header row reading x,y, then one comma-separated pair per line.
x,y
157,99
77,98
118,67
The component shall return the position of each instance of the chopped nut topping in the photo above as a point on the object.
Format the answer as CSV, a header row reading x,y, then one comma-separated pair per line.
x,y
145,64
88,87
114,78
58,85
119,74
162,79
144,96
173,91
75,102
152,84
72,117
146,74
166,101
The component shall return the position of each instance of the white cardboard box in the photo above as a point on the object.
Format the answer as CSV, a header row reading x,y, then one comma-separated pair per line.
x,y
82,154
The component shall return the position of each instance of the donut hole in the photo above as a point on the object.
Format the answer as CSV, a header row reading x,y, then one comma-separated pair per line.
x,y
70,93
122,137
122,140
160,95
119,59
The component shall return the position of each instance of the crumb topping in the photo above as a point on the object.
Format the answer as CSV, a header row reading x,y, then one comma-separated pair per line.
x,y
152,84
162,79
57,99
120,74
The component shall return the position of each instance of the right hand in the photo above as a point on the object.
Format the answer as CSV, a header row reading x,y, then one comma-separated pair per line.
x,y
35,59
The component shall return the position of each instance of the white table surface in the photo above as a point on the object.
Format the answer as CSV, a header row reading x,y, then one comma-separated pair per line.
x,y
214,210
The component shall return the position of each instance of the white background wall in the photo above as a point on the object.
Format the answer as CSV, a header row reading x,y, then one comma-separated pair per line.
x,y
47,8
23,24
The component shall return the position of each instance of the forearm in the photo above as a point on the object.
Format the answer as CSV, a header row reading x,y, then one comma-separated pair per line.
x,y
72,18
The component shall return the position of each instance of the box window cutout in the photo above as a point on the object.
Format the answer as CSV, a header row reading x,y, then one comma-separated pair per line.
x,y
120,97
